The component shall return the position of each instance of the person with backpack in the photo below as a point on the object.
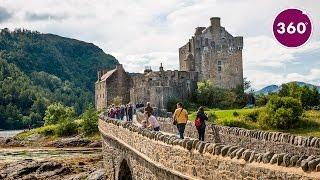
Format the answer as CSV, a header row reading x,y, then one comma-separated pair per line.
x,y
200,123
180,118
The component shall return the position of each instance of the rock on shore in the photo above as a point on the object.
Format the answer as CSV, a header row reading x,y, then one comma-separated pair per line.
x,y
30,169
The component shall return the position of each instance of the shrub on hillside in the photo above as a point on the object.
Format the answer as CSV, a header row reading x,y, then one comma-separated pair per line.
x,y
89,124
281,113
66,128
235,114
261,100
57,112
48,130
252,115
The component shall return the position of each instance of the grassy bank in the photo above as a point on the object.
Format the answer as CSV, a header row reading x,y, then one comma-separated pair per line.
x,y
309,124
48,133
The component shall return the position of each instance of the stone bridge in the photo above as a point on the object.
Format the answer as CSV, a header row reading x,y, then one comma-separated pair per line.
x,y
131,152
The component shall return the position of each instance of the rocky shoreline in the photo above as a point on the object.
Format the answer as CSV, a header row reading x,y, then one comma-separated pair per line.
x,y
73,167
76,141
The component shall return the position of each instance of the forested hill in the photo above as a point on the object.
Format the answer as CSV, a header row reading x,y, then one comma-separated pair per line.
x,y
37,70
68,59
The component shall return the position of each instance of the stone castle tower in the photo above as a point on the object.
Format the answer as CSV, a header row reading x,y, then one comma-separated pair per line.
x,y
215,54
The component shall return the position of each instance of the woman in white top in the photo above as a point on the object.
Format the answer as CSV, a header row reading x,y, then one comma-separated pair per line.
x,y
153,123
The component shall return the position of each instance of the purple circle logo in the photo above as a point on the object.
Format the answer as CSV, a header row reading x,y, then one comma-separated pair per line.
x,y
292,28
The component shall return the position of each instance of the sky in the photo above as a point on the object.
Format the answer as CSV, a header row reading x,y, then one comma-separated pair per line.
x,y
142,33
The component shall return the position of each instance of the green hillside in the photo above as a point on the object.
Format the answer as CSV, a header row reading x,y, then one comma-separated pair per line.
x,y
68,59
37,70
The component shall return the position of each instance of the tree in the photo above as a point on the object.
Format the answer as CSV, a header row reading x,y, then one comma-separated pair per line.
x,y
57,113
281,113
89,124
208,95
246,84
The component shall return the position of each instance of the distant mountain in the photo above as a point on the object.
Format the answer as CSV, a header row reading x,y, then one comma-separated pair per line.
x,y
275,88
37,70
268,89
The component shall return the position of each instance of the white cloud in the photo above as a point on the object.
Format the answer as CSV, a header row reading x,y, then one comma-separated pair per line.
x,y
263,78
145,33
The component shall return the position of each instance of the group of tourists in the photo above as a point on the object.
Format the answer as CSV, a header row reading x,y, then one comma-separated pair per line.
x,y
121,112
180,119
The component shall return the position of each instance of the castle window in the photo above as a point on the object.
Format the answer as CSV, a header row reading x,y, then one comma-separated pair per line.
x,y
219,63
219,68
220,77
212,44
206,42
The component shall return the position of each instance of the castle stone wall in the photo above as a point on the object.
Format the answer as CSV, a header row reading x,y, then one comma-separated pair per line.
x,y
160,86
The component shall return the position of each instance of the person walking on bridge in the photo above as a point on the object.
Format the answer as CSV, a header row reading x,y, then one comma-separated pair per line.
x,y
148,108
129,112
200,123
180,118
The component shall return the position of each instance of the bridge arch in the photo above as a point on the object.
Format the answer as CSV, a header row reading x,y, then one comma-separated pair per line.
x,y
125,172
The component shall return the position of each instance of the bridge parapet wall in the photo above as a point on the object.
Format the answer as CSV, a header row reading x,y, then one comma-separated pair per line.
x,y
260,141
155,155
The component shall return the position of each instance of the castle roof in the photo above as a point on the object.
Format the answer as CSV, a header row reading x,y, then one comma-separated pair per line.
x,y
108,74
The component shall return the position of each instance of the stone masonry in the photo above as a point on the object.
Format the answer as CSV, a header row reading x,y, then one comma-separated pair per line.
x,y
111,84
143,154
160,86
215,54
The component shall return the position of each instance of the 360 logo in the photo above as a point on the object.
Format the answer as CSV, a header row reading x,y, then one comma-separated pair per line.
x,y
292,28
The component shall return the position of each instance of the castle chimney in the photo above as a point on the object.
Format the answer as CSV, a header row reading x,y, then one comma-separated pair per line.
x,y
99,75
161,67
215,22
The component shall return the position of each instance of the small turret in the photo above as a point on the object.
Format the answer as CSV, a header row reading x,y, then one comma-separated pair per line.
x,y
199,30
161,67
